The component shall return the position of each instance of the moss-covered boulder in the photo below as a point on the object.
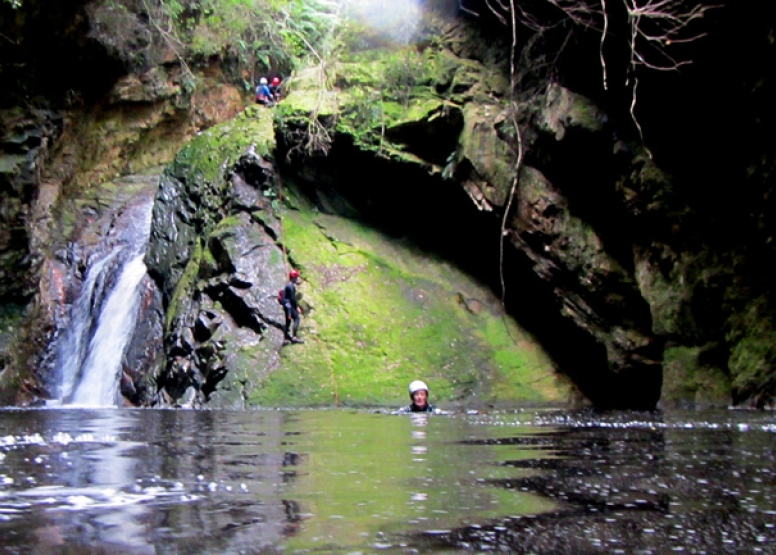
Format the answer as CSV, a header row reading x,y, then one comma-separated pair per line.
x,y
401,103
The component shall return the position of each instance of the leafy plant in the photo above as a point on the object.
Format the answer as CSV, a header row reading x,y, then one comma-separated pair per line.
x,y
259,36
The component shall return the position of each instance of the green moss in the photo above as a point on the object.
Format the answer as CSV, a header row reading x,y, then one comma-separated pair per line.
x,y
565,109
373,91
184,289
380,314
207,153
753,350
360,75
751,363
520,369
208,265
308,93
689,381
490,156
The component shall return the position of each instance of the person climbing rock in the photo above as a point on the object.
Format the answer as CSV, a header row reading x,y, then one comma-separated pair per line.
x,y
291,309
263,93
419,395
274,87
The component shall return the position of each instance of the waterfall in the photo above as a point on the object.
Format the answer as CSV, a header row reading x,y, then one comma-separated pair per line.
x,y
73,348
99,376
102,320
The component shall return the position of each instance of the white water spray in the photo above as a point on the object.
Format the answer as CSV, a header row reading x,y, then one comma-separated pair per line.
x,y
99,377
74,346
103,318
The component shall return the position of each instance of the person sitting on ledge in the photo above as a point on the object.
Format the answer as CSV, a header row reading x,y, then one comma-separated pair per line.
x,y
263,94
274,87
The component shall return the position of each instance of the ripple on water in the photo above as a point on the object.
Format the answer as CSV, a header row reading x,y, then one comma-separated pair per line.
x,y
521,482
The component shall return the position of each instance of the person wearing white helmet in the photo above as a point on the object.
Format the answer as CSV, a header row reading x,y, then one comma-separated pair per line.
x,y
263,94
419,395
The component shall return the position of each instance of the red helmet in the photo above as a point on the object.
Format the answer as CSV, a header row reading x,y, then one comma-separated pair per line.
x,y
293,274
276,80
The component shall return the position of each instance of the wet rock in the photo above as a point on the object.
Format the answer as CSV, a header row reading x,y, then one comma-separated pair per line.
x,y
564,110
26,138
151,86
143,353
216,280
207,323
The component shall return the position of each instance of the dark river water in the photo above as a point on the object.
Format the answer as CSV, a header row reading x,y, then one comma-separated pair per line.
x,y
335,481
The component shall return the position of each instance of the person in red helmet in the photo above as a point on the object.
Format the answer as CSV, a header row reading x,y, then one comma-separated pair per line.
x,y
291,309
274,87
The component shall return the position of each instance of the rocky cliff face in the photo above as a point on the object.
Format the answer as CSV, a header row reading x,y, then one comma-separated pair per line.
x,y
77,111
639,261
652,287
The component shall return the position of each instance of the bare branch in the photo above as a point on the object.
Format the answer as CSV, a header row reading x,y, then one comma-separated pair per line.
x,y
603,38
634,118
519,161
660,23
495,12
15,42
467,10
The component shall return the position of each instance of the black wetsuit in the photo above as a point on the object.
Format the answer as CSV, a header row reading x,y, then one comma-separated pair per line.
x,y
291,310
412,407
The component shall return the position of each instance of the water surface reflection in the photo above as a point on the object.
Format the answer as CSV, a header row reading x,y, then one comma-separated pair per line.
x,y
335,481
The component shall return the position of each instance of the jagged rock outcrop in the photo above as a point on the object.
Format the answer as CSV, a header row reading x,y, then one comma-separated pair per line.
x,y
214,251
26,140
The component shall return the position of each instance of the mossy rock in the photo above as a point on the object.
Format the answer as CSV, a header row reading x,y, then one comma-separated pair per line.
x,y
221,146
689,382
490,156
565,109
367,94
308,92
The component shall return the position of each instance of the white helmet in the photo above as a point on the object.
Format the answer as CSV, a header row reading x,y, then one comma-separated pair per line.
x,y
263,81
417,385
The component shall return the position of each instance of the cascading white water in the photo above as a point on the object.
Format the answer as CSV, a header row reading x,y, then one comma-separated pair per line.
x,y
74,346
99,378
102,321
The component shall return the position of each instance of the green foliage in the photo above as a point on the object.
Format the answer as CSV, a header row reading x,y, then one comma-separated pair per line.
x,y
15,4
264,36
405,72
753,355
